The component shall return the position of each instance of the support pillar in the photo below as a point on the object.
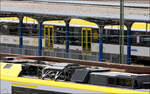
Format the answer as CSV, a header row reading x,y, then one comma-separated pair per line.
x,y
121,32
100,24
67,38
128,43
40,38
20,34
101,28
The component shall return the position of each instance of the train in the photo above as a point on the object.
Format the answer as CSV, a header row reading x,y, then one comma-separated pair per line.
x,y
42,77
83,38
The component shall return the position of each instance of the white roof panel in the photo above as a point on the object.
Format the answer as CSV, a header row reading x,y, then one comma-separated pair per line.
x,y
75,10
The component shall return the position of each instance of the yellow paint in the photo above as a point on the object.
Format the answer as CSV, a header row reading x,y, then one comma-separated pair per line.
x,y
50,44
14,70
25,85
25,19
85,30
9,18
140,25
136,26
11,74
72,85
17,41
75,22
35,42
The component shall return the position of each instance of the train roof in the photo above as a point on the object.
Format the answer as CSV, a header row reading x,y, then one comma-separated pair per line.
x,y
137,26
10,72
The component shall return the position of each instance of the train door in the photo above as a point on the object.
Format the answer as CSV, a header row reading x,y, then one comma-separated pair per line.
x,y
49,37
86,40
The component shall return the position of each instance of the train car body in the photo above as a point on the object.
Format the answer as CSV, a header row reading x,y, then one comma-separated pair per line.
x,y
13,83
83,37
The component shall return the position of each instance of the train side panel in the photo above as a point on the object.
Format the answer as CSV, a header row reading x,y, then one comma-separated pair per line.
x,y
5,87
107,48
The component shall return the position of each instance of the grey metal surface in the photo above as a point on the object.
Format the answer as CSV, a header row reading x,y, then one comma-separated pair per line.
x,y
74,10
102,3
5,87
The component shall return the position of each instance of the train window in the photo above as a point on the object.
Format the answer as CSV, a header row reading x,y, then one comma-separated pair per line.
x,y
139,38
111,81
46,35
19,90
121,82
51,37
105,36
7,66
84,40
145,40
125,37
75,36
34,91
128,82
124,82
89,36
13,28
113,36
60,35
134,38
27,29
4,28
34,30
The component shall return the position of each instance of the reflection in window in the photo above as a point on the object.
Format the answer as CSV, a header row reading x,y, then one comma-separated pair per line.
x,y
19,90
89,40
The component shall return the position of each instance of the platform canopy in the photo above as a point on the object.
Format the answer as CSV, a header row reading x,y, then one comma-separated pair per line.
x,y
52,10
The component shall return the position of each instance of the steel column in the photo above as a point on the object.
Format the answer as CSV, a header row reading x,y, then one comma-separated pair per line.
x,y
40,38
128,47
122,31
67,38
20,34
128,43
101,28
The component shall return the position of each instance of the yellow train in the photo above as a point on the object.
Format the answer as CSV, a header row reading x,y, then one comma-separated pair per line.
x,y
13,81
83,37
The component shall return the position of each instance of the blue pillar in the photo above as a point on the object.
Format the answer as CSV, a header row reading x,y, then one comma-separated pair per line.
x,y
67,38
100,58
20,34
40,38
128,44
